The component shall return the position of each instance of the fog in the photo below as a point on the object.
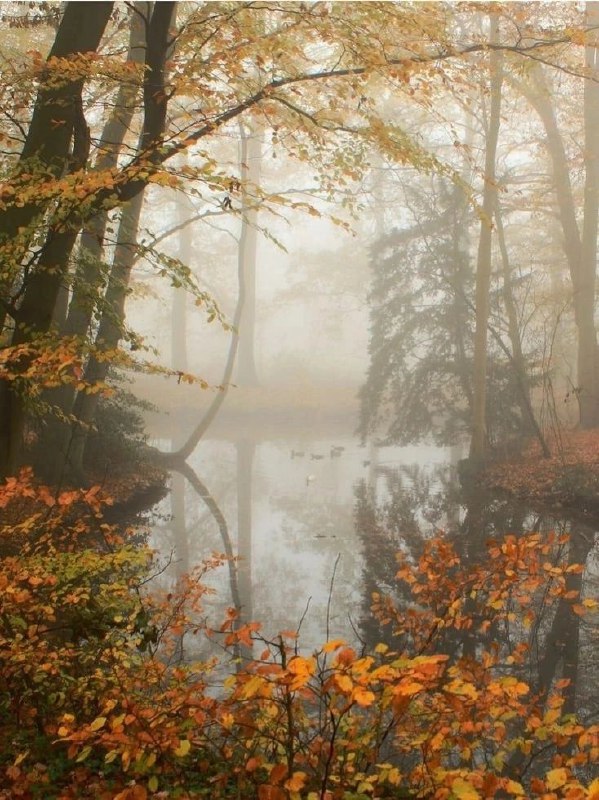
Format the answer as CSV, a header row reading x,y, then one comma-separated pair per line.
x,y
299,331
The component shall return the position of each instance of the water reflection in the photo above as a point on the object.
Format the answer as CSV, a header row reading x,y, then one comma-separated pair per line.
x,y
315,526
399,514
285,508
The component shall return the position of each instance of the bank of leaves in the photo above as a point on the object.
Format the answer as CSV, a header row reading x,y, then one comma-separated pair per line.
x,y
570,477
97,701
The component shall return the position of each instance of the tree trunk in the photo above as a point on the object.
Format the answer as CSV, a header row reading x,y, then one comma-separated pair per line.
x,y
517,359
251,162
245,462
109,332
179,359
88,277
479,441
57,115
581,252
190,444
89,274
111,323
588,383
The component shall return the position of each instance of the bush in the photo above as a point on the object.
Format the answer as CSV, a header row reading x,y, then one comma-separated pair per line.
x,y
96,703
118,436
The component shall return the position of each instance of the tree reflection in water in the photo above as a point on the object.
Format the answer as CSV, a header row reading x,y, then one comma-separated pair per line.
x,y
400,510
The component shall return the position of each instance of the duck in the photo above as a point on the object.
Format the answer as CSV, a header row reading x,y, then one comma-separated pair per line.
x,y
297,454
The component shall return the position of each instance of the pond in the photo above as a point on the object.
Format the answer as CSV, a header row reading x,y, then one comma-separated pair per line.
x,y
316,521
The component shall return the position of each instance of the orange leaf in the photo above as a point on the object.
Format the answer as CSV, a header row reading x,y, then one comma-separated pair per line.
x,y
407,688
363,697
344,683
277,773
267,792
296,782
334,644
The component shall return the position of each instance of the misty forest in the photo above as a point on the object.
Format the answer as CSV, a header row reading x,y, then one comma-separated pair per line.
x,y
299,400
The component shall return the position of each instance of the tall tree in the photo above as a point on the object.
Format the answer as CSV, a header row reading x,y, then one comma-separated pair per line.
x,y
479,438
251,160
56,123
112,320
266,53
579,242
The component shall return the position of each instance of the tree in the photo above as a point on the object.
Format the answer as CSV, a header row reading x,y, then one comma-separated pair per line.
x,y
57,120
251,157
419,379
579,242
479,440
265,52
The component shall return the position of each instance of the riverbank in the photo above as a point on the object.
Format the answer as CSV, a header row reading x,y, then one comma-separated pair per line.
x,y
569,479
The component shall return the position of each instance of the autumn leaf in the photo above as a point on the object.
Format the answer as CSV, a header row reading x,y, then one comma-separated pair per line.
x,y
334,644
277,773
183,748
345,657
343,683
464,790
408,687
296,782
556,778
363,697
267,792
594,790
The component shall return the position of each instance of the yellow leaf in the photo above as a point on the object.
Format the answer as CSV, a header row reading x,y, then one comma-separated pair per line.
x,y
334,644
83,754
98,723
462,688
184,748
551,716
252,687
463,790
153,783
594,790
344,683
556,778
394,776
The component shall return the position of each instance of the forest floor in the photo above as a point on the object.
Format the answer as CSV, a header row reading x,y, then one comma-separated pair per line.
x,y
568,479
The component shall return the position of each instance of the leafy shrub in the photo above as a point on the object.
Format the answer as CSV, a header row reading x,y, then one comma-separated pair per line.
x,y
96,703
118,436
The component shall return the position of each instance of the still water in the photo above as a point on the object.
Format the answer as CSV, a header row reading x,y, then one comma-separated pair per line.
x,y
286,508
315,522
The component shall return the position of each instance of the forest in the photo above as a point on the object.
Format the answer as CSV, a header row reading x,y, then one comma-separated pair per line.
x,y
299,400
